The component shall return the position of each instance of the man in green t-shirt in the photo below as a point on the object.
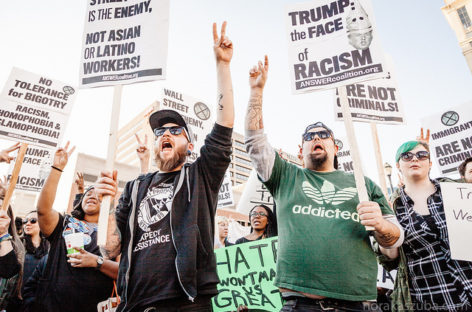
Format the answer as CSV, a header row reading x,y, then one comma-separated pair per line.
x,y
324,258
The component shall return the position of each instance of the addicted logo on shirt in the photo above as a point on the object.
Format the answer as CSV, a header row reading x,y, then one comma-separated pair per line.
x,y
327,195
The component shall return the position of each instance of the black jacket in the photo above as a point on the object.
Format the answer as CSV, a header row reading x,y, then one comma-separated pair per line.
x,y
192,217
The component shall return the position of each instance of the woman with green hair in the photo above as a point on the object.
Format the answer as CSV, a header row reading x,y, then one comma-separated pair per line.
x,y
428,279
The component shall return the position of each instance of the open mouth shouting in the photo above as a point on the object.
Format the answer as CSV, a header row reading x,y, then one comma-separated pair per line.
x,y
318,147
166,145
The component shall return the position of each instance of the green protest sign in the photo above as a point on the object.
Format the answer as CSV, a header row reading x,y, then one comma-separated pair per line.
x,y
247,273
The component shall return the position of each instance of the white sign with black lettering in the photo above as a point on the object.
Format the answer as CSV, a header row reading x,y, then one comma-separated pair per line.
x,y
385,279
344,155
34,170
35,109
451,137
255,193
457,200
332,43
124,42
374,101
196,114
225,195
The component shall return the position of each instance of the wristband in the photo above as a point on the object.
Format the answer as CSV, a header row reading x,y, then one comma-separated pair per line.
x,y
54,167
5,237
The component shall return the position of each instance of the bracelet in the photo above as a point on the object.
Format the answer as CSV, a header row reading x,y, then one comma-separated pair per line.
x,y
54,167
5,237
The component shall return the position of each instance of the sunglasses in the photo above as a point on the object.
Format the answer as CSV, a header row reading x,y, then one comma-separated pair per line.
x,y
175,130
32,220
408,156
323,134
255,214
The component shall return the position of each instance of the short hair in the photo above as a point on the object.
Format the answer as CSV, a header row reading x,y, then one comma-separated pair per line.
x,y
462,166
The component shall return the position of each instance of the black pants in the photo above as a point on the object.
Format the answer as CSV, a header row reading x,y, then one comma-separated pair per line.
x,y
201,304
333,305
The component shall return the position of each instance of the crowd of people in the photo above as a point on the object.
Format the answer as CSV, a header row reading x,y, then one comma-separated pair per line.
x,y
163,228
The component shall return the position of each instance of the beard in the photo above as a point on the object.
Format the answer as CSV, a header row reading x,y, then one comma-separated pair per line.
x,y
317,161
178,158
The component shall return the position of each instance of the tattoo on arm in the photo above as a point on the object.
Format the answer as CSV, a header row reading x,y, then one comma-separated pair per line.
x,y
389,237
254,113
220,106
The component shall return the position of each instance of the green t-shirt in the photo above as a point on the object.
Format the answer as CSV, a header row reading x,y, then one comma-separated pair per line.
x,y
323,249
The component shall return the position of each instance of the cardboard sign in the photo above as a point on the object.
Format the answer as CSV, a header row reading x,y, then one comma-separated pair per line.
x,y
225,195
374,101
457,200
197,115
35,109
386,279
332,43
247,273
451,137
344,155
124,42
255,193
34,170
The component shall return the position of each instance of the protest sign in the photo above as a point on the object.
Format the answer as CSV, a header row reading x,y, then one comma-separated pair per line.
x,y
451,137
34,170
35,109
344,155
374,101
225,195
247,273
255,193
457,199
124,42
385,279
331,44
196,114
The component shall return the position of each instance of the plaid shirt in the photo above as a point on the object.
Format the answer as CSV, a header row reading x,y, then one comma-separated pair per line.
x,y
434,277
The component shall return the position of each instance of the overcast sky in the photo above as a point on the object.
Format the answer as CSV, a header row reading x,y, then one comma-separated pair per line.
x,y
45,37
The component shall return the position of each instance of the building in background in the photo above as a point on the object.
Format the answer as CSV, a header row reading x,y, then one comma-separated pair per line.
x,y
458,14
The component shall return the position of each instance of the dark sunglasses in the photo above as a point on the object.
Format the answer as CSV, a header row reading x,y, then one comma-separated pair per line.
x,y
175,130
408,156
255,214
323,134
32,220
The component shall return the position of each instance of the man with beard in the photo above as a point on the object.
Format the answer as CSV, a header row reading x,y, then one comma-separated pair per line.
x,y
164,222
324,257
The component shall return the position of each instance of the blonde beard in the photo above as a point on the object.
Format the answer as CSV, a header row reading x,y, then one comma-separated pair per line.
x,y
170,164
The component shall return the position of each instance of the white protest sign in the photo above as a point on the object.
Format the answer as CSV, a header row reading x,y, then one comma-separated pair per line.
x,y
35,109
255,193
457,200
196,114
225,195
344,155
385,279
34,170
374,101
124,42
331,44
451,137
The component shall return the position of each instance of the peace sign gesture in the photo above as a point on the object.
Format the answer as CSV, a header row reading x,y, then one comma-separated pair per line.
x,y
62,156
4,154
223,47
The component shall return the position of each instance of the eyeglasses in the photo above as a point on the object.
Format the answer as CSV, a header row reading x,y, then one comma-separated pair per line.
x,y
323,134
175,130
32,220
255,214
408,156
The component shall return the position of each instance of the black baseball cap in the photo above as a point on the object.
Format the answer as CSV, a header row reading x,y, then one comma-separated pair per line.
x,y
164,116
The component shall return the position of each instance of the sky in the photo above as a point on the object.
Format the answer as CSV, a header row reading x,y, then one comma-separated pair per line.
x,y
45,37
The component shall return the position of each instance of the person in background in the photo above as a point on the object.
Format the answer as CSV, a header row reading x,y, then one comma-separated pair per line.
x,y
428,279
36,246
263,224
221,232
465,170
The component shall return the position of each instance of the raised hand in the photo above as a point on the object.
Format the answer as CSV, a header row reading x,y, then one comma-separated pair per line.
x,y
80,182
142,150
258,74
223,47
62,156
107,184
422,138
4,154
